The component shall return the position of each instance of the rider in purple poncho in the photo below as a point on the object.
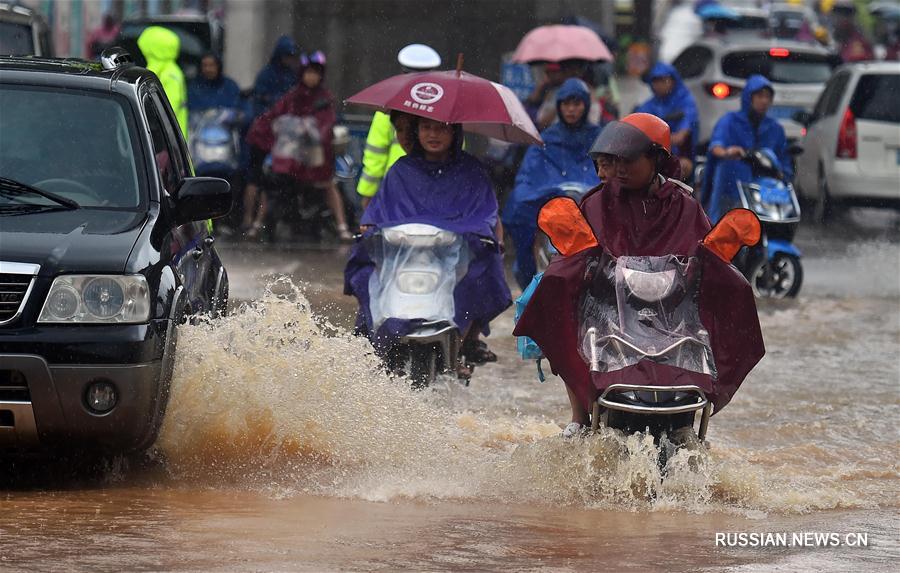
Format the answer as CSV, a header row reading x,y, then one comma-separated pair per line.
x,y
438,184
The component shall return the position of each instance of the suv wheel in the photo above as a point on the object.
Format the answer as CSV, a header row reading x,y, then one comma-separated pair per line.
x,y
823,211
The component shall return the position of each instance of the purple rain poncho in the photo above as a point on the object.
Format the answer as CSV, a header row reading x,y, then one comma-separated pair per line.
x,y
455,195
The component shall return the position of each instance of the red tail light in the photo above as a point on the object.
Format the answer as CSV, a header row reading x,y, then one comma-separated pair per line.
x,y
779,52
846,142
721,90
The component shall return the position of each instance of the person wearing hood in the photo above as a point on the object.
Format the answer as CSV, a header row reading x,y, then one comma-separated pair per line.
x,y
641,212
438,184
297,132
673,103
211,88
736,133
563,158
161,47
278,77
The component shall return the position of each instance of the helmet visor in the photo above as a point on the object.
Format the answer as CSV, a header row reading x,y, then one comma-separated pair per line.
x,y
621,140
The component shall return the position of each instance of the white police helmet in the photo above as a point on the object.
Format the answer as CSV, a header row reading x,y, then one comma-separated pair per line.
x,y
419,57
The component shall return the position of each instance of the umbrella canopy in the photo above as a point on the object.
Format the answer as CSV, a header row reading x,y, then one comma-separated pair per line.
x,y
717,12
557,43
480,105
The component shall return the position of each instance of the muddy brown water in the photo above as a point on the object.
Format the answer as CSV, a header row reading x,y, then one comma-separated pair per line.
x,y
285,448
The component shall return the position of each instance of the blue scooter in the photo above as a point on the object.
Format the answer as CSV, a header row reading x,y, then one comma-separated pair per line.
x,y
215,142
772,266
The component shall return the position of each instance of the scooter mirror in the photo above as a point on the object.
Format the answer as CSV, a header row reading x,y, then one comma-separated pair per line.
x,y
738,228
562,221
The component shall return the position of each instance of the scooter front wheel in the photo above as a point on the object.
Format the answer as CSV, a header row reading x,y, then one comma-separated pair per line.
x,y
422,365
778,277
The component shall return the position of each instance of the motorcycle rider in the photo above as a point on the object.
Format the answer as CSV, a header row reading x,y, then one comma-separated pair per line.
x,y
310,106
211,88
562,158
672,101
382,147
638,211
735,134
439,184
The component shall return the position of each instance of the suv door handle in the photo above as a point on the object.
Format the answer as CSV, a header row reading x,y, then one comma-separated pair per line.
x,y
208,241
197,253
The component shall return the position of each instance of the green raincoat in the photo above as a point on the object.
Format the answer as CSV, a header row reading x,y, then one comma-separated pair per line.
x,y
160,47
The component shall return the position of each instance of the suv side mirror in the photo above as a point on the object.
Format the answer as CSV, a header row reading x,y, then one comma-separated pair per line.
x,y
200,198
802,117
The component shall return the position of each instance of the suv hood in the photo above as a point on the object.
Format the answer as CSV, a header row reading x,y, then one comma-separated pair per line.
x,y
83,240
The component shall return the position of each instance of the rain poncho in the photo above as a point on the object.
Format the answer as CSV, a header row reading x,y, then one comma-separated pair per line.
x,y
720,193
564,158
679,101
297,131
456,195
160,47
275,79
667,221
221,92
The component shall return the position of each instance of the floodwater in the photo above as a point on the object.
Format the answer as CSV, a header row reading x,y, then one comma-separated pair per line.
x,y
286,448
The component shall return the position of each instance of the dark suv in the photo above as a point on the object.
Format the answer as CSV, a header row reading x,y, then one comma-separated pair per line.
x,y
104,248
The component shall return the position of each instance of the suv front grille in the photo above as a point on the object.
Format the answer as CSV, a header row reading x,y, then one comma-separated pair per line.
x,y
15,285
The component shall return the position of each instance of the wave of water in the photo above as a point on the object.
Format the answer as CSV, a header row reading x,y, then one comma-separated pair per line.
x,y
275,398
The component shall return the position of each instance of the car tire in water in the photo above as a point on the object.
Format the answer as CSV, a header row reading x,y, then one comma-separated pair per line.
x,y
788,277
823,210
422,365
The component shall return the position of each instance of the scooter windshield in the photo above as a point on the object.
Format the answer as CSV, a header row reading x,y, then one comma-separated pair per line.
x,y
416,270
644,308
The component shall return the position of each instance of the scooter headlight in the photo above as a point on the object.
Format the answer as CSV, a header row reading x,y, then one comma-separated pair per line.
x,y
650,287
417,282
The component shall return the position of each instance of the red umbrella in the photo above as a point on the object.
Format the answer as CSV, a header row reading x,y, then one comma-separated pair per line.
x,y
557,43
480,105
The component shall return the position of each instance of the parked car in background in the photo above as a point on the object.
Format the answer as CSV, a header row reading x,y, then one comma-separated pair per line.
x,y
104,250
716,70
199,34
23,32
851,150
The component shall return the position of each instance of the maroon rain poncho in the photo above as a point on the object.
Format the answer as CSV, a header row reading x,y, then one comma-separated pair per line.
x,y
666,222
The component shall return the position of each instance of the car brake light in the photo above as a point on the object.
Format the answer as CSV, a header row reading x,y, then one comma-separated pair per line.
x,y
846,143
779,52
720,90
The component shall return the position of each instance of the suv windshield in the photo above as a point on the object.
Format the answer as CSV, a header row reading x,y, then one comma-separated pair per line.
x,y
16,39
76,144
795,68
875,98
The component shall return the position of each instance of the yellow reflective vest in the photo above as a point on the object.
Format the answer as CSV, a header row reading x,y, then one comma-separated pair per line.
x,y
160,47
382,150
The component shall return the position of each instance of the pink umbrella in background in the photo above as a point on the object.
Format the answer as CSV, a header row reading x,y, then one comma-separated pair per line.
x,y
480,105
557,43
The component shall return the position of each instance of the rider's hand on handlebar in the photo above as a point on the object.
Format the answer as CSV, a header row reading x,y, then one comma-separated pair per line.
x,y
735,152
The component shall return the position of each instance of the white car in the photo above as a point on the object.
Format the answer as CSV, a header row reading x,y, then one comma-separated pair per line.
x,y
716,70
851,151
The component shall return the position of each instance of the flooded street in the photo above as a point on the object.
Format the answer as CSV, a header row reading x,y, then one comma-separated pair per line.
x,y
286,448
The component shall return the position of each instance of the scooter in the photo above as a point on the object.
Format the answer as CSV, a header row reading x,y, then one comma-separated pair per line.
x,y
417,269
215,142
643,311
773,266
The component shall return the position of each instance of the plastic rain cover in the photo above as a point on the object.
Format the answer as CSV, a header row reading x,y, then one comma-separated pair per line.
x,y
644,308
416,270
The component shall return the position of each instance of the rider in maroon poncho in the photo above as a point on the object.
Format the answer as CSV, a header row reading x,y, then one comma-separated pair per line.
x,y
639,212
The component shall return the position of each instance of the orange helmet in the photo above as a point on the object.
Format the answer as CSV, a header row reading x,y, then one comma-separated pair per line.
x,y
633,135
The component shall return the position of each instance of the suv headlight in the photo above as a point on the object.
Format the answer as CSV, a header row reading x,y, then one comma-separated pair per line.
x,y
104,299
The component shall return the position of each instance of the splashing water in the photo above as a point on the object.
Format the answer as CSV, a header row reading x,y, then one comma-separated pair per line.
x,y
274,397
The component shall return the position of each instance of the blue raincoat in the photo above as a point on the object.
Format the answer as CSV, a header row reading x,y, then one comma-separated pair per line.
x,y
720,192
275,80
220,92
456,195
564,158
680,101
